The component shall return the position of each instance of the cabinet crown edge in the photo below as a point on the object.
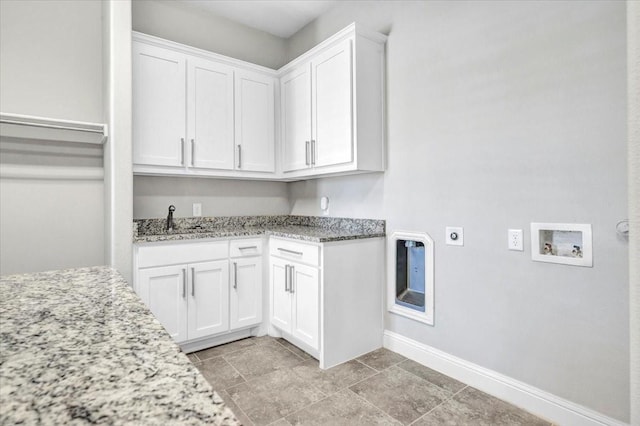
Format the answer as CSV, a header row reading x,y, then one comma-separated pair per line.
x,y
352,30
137,36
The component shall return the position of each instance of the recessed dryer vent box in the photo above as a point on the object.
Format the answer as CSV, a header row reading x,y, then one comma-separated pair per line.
x,y
566,243
411,275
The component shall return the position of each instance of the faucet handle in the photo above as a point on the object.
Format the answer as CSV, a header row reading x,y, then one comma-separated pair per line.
x,y
172,208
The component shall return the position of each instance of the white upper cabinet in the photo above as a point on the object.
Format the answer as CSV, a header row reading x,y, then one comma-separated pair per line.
x,y
332,107
159,97
295,98
210,114
198,113
255,122
332,90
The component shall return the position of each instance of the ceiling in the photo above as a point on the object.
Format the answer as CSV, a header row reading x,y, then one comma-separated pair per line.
x,y
281,18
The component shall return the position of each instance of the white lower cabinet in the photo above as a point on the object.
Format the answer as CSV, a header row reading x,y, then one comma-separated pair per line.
x,y
295,296
326,298
198,297
246,292
162,289
208,309
305,292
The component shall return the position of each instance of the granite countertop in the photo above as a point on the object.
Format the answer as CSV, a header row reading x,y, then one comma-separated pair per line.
x,y
307,228
78,346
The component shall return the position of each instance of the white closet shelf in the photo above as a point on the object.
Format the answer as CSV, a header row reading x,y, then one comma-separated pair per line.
x,y
51,129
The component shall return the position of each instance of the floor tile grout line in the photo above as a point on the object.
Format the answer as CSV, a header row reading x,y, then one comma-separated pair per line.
x,y
416,376
278,342
235,369
228,353
239,409
306,406
444,401
366,401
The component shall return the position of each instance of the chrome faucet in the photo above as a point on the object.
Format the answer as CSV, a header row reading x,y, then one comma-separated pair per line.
x,y
170,224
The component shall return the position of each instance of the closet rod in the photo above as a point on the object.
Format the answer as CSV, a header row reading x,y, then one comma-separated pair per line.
x,y
51,126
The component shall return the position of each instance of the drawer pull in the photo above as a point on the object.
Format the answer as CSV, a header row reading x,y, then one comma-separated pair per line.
x,y
297,253
248,247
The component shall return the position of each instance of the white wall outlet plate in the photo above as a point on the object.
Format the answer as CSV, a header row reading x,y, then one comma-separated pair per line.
x,y
454,235
197,209
515,239
324,203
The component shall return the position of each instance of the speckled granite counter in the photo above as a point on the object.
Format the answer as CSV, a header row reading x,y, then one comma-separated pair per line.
x,y
78,346
307,228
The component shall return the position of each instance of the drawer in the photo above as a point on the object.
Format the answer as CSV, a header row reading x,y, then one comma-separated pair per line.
x,y
243,248
293,250
173,254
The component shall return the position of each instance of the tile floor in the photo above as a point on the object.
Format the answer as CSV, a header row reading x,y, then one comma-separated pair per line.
x,y
268,381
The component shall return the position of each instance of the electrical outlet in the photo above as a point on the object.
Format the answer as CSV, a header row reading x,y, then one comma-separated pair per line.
x,y
197,209
515,240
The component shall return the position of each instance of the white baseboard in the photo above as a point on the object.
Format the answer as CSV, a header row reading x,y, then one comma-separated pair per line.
x,y
543,404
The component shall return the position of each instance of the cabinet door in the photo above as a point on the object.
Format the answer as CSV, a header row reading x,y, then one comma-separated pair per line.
x,y
208,298
210,114
245,292
164,291
254,115
280,296
306,304
295,98
332,97
159,102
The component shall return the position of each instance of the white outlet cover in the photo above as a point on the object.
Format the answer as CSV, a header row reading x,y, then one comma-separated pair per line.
x,y
515,239
197,209
324,203
454,235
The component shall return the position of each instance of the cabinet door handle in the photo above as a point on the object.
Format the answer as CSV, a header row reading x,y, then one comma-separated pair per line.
x,y
239,156
193,152
235,275
291,279
313,152
182,151
297,253
286,278
184,283
306,153
193,282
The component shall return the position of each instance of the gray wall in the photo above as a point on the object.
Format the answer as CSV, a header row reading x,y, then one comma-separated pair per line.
x,y
178,22
501,114
51,65
219,197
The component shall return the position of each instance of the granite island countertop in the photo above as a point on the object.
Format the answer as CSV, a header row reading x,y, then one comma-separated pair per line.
x,y
306,228
78,346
